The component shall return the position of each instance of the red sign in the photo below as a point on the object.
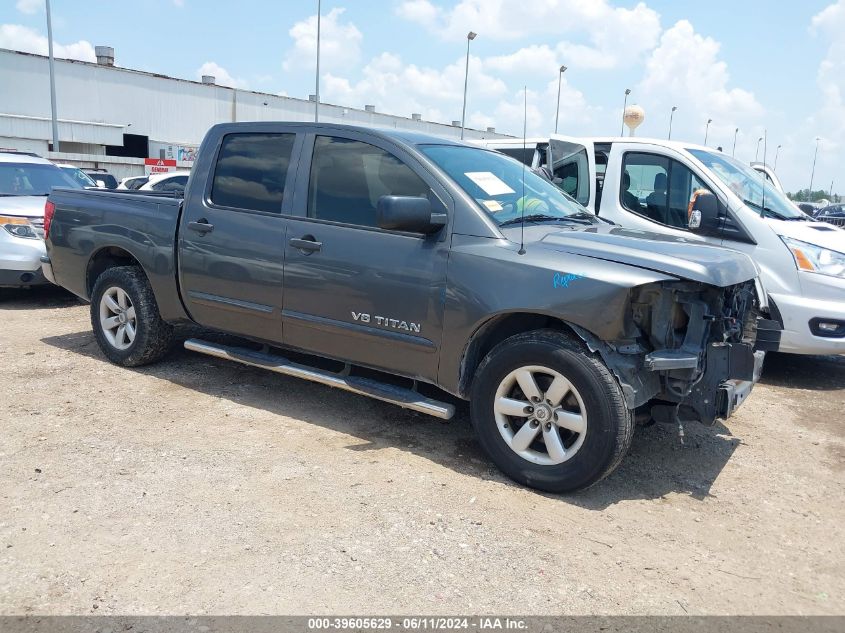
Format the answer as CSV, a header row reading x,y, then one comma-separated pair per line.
x,y
158,165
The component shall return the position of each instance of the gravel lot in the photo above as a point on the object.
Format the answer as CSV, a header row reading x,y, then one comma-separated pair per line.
x,y
201,486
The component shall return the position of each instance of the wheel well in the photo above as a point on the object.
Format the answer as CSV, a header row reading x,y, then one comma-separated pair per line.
x,y
496,330
103,260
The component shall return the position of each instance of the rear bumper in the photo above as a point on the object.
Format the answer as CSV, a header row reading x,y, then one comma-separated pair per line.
x,y
21,278
47,269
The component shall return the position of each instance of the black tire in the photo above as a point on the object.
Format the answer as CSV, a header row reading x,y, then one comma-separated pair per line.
x,y
153,336
609,427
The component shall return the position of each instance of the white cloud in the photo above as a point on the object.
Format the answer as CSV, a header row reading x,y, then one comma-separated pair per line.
x,y
685,71
340,43
30,6
615,36
419,11
22,38
401,89
437,93
530,60
221,75
829,120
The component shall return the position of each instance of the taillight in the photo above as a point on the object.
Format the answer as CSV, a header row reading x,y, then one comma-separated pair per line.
x,y
49,211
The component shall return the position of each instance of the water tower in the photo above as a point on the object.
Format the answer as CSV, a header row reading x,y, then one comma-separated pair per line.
x,y
633,118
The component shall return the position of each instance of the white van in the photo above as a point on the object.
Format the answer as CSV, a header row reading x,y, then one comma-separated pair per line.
x,y
648,184
769,174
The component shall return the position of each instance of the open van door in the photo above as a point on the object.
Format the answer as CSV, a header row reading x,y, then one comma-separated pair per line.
x,y
572,161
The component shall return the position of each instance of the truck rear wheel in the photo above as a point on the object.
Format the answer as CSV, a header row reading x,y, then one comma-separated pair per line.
x,y
125,318
549,413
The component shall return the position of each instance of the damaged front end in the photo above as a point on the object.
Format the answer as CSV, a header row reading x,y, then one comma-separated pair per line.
x,y
692,351
708,346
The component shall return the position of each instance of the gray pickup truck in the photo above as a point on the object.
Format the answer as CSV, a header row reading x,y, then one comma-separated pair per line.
x,y
383,262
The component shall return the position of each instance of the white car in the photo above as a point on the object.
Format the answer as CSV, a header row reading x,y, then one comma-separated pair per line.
x,y
77,174
172,181
648,184
25,183
133,182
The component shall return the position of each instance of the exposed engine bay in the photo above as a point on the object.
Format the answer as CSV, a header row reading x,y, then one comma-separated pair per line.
x,y
688,341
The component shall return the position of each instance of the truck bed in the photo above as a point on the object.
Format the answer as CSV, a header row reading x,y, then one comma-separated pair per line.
x,y
137,225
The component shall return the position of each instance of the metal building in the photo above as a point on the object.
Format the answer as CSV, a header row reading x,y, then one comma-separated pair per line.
x,y
113,118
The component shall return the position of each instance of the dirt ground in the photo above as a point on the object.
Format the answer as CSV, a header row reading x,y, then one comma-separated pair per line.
x,y
201,486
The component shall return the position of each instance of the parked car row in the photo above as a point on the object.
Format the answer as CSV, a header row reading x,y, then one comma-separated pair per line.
x,y
832,214
25,181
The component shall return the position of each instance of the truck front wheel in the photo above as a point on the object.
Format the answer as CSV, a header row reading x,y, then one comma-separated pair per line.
x,y
549,413
125,318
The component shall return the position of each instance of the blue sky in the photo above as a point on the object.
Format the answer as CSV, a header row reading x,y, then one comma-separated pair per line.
x,y
778,66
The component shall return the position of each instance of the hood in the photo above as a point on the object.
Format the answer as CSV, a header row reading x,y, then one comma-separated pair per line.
x,y
26,206
818,233
676,256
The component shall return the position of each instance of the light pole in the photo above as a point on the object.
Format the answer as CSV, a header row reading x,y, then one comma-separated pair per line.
x,y
624,107
733,151
707,130
559,79
470,36
317,78
813,172
55,119
777,151
757,151
671,116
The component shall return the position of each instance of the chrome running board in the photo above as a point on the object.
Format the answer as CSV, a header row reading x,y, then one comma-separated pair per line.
x,y
400,396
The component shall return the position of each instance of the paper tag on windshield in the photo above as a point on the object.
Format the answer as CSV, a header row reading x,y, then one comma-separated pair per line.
x,y
492,206
489,182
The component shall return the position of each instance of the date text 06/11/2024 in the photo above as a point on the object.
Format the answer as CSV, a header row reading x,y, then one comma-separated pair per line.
x,y
417,624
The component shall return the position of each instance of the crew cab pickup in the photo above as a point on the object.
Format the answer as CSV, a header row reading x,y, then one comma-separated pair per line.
x,y
384,262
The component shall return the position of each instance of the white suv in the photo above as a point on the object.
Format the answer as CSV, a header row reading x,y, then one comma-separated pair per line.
x,y
25,183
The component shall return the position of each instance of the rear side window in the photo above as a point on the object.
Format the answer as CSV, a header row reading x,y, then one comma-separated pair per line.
x,y
251,171
348,178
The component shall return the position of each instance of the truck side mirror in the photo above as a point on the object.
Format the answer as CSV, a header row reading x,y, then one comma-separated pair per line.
x,y
705,213
408,213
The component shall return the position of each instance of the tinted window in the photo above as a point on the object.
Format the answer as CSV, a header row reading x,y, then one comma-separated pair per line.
x,y
251,171
348,178
658,188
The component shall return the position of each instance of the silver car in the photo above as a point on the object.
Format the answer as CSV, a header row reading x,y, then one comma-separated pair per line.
x,y
25,183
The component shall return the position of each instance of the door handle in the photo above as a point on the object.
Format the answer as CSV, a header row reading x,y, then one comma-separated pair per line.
x,y
201,226
307,244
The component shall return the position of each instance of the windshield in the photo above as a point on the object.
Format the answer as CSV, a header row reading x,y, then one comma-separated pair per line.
x,y
495,182
32,179
747,183
77,174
